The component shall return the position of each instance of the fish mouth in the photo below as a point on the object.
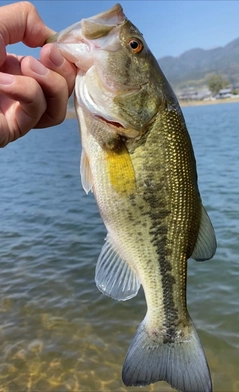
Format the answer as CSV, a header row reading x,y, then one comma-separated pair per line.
x,y
83,44
100,25
78,41
92,28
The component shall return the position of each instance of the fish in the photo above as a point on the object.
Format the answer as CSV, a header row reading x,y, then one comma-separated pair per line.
x,y
137,159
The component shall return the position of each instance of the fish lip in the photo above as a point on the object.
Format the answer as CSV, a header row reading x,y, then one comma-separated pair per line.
x,y
101,24
78,32
114,15
90,35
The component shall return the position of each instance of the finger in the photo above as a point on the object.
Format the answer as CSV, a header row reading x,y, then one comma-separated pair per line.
x,y
22,105
54,87
12,65
2,50
51,57
21,22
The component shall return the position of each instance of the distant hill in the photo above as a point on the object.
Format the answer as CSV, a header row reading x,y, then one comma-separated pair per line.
x,y
193,68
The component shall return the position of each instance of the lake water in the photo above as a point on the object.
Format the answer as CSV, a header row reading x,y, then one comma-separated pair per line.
x,y
58,332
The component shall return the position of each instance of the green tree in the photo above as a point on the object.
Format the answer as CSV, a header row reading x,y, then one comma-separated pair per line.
x,y
216,83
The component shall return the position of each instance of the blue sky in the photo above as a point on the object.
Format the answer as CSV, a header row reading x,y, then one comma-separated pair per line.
x,y
170,27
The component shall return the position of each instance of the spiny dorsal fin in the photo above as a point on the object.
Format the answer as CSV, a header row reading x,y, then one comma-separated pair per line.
x,y
85,171
206,243
113,275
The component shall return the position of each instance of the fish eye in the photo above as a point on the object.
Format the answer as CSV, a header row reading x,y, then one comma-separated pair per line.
x,y
135,45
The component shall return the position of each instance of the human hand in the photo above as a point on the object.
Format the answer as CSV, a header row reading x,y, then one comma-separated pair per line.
x,y
33,94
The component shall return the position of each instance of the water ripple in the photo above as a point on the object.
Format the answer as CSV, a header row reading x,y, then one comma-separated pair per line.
x,y
59,333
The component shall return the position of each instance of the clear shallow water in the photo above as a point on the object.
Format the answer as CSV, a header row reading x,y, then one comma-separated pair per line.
x,y
58,332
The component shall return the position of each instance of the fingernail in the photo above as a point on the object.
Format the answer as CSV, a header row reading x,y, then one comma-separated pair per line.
x,y
37,67
6,79
56,57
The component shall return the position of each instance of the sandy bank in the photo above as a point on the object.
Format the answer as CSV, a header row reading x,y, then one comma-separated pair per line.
x,y
203,103
70,114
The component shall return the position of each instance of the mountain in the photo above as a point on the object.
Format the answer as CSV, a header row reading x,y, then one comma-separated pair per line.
x,y
194,67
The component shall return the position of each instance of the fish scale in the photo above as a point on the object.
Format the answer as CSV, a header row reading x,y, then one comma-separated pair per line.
x,y
162,235
138,160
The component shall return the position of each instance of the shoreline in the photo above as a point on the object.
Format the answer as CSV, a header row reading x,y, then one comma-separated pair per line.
x,y
71,112
209,102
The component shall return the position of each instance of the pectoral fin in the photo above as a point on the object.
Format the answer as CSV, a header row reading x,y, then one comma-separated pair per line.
x,y
206,244
85,171
113,275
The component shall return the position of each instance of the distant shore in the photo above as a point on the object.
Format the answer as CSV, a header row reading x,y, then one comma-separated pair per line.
x,y
209,102
71,112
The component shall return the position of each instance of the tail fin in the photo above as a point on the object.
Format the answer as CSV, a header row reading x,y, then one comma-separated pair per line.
x,y
183,364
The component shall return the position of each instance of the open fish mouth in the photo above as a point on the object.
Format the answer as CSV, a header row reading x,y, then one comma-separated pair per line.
x,y
78,41
87,44
95,27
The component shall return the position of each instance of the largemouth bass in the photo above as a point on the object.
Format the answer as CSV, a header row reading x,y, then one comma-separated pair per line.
x,y
138,159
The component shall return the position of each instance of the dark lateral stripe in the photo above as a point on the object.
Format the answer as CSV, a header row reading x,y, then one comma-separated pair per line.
x,y
159,240
158,234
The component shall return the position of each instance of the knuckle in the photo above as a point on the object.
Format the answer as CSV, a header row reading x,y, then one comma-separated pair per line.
x,y
27,6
